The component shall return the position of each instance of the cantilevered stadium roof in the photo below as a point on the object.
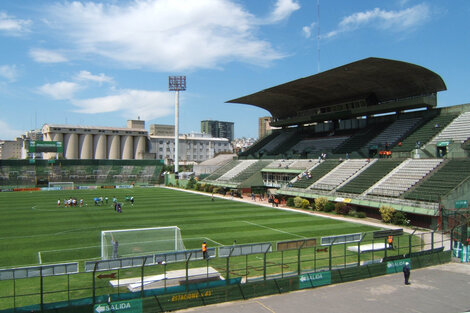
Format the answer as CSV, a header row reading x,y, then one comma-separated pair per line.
x,y
382,80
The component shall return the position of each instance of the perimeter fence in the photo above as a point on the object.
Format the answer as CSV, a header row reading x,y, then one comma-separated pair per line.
x,y
165,282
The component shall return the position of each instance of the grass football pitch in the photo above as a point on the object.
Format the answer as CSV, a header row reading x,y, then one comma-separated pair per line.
x,y
34,229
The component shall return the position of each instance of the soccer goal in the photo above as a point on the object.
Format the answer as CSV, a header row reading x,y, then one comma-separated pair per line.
x,y
140,241
63,185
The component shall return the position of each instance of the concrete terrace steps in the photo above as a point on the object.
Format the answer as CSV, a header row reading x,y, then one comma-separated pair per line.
x,y
458,130
403,177
340,174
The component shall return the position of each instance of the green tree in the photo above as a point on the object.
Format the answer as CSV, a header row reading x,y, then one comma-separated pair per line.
x,y
399,218
290,202
191,183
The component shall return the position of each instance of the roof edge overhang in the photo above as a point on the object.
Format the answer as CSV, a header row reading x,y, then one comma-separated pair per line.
x,y
372,80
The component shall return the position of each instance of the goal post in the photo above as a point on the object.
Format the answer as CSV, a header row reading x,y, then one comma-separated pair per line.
x,y
140,241
62,185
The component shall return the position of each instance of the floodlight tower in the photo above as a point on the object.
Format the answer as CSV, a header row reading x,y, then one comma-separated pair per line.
x,y
177,83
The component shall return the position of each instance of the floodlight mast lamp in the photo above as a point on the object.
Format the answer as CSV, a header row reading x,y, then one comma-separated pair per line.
x,y
177,83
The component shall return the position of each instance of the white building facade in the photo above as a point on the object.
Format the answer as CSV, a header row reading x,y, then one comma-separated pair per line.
x,y
193,148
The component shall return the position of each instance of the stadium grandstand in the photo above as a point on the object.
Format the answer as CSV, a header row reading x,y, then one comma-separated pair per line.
x,y
367,133
41,173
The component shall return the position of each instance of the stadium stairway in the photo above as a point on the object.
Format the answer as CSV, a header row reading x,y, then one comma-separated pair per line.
x,y
316,173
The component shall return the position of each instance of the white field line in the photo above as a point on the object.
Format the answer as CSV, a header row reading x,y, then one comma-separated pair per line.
x,y
72,260
274,229
67,232
218,243
70,249
39,257
204,239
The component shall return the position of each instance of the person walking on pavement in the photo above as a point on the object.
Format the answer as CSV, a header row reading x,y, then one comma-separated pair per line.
x,y
406,273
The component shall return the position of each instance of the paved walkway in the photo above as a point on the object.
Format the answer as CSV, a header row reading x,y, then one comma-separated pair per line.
x,y
438,289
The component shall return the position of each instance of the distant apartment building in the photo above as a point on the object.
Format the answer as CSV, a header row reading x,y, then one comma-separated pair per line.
x,y
193,148
218,129
19,148
11,149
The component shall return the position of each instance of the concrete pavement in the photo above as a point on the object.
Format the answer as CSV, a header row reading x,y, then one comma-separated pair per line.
x,y
438,289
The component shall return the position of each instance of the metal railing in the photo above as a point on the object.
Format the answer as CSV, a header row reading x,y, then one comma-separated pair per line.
x,y
163,278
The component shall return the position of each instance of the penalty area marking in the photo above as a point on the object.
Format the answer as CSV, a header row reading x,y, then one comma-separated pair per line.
x,y
41,253
274,229
217,243
204,239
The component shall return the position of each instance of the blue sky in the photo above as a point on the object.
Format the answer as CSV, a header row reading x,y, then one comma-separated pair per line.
x,y
100,63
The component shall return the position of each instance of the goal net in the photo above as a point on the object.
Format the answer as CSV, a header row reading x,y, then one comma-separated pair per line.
x,y
140,241
61,185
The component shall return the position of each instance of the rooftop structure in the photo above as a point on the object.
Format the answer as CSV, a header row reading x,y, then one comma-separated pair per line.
x,y
366,87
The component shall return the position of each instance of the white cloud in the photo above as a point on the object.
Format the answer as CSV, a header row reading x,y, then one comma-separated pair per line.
x,y
402,20
168,35
47,56
146,104
9,72
307,30
87,76
7,132
61,90
282,10
13,26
